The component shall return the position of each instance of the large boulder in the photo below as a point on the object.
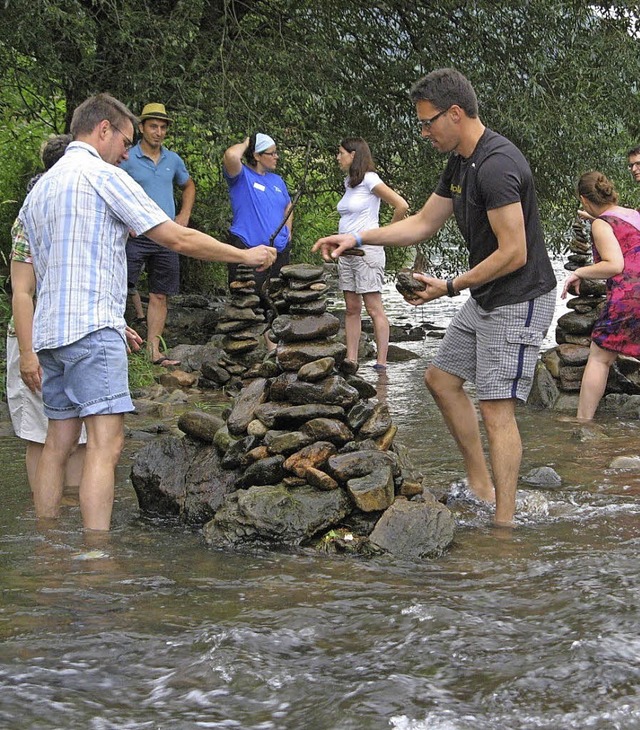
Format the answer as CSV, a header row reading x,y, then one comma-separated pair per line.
x,y
275,515
414,530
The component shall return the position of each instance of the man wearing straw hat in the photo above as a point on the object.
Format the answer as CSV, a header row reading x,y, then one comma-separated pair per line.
x,y
157,170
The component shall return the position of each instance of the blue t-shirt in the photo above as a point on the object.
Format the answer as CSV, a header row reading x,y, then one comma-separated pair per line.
x,y
258,203
157,180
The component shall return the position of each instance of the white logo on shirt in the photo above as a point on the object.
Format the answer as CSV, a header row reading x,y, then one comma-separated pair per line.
x,y
259,186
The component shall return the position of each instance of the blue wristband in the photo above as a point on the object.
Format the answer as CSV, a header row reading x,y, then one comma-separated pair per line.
x,y
358,238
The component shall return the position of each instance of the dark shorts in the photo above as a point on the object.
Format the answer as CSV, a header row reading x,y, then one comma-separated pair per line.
x,y
162,265
282,259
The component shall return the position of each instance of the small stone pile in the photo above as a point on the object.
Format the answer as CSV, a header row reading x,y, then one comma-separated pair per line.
x,y
306,450
558,381
573,331
242,324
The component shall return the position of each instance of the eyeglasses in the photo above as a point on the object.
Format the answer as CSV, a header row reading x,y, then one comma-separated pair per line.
x,y
270,154
428,123
631,165
128,143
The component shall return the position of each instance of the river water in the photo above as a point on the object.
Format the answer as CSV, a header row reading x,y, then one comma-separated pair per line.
x,y
147,628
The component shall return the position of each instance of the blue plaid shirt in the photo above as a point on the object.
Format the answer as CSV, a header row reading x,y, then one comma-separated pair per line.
x,y
77,219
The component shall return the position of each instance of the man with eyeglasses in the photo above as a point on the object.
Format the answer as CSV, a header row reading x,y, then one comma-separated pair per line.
x,y
76,222
157,170
633,157
494,338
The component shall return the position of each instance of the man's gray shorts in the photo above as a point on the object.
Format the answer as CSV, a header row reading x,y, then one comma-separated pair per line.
x,y
497,350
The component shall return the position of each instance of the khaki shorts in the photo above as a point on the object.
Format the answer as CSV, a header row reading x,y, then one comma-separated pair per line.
x,y
26,408
497,350
362,274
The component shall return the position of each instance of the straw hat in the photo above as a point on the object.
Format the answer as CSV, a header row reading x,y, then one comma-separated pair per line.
x,y
155,111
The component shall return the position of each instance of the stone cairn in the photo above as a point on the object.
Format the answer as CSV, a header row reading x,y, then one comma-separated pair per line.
x,y
306,455
564,365
242,324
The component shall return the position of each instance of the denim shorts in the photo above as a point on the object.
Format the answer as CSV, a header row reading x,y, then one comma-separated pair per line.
x,y
25,408
86,378
498,349
162,264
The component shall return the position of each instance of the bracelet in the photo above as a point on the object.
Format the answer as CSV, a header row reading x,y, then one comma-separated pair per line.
x,y
358,238
450,289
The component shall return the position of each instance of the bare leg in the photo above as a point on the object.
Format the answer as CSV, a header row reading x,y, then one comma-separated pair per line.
x,y
75,464
156,318
594,381
137,304
62,436
373,305
32,455
462,420
105,439
505,454
73,469
352,323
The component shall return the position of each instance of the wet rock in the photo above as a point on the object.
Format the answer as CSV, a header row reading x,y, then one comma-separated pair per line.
x,y
407,285
286,442
316,370
282,415
372,492
333,390
292,356
543,477
200,425
327,429
320,480
628,463
275,515
297,328
245,406
378,423
265,471
344,467
415,530
314,455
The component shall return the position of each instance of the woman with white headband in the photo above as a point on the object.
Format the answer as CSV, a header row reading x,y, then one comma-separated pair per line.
x,y
259,201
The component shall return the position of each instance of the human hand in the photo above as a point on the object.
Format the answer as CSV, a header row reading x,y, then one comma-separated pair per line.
x,y
133,339
585,216
182,219
434,289
331,247
30,371
260,257
571,286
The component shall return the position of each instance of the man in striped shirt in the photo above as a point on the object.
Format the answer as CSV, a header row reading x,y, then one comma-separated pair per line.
x,y
77,221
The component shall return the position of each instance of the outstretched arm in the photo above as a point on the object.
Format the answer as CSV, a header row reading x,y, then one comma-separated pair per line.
x,y
198,245
406,232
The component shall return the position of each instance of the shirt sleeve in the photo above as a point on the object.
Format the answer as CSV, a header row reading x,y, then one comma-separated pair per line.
x,y
20,248
129,202
370,180
499,181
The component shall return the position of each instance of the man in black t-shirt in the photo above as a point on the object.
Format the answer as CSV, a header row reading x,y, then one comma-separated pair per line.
x,y
494,338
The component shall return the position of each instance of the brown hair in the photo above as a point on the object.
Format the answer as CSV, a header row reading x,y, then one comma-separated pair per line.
x,y
362,160
95,109
597,189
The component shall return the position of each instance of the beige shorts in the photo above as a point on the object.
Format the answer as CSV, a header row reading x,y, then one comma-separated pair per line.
x,y
25,407
362,274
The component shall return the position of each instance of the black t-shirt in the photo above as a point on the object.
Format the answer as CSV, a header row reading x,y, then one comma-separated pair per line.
x,y
495,175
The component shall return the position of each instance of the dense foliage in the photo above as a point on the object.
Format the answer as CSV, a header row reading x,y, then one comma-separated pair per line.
x,y
559,78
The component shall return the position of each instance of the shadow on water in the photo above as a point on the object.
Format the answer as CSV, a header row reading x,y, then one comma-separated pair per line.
x,y
147,628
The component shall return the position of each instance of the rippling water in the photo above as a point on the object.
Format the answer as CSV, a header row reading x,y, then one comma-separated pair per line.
x,y
147,628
